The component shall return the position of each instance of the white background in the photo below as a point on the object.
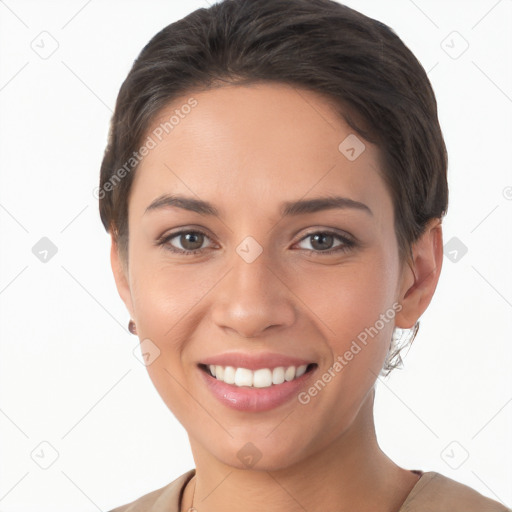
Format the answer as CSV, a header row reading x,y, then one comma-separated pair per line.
x,y
67,372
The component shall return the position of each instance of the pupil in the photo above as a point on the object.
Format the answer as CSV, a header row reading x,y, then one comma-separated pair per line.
x,y
322,237
189,238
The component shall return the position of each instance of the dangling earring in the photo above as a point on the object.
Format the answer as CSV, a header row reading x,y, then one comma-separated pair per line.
x,y
131,327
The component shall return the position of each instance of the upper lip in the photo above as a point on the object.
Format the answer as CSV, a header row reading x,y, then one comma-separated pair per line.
x,y
254,361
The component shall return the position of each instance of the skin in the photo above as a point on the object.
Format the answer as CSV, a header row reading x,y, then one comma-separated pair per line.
x,y
246,149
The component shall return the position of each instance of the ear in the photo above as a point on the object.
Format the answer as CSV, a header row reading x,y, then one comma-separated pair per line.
x,y
120,271
420,277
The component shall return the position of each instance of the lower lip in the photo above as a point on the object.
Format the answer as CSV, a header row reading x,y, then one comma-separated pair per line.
x,y
243,398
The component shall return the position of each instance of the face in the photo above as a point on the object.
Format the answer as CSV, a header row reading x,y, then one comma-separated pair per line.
x,y
301,282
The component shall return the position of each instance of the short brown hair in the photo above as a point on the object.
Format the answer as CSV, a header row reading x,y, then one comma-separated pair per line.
x,y
358,63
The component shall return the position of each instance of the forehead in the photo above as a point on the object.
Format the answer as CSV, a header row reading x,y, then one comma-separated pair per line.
x,y
254,144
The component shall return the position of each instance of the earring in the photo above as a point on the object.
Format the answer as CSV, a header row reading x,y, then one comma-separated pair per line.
x,y
131,327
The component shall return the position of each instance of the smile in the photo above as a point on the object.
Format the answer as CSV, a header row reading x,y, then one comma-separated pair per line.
x,y
256,390
259,378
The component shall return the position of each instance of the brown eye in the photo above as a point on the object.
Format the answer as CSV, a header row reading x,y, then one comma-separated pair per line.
x,y
191,241
187,242
323,242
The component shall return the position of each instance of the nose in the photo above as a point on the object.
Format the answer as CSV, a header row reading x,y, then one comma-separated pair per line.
x,y
253,298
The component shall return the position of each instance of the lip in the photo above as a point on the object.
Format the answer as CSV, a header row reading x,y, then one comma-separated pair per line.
x,y
249,399
254,361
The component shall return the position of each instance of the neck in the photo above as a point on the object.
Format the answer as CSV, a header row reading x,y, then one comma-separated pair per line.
x,y
350,473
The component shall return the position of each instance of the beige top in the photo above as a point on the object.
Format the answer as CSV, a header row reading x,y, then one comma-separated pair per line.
x,y
432,493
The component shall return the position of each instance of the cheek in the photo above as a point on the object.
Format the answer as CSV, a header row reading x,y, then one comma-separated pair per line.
x,y
164,295
354,305
355,295
164,301
355,308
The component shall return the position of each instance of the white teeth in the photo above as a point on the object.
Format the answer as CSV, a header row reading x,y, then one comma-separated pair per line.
x,y
278,375
289,374
229,375
243,377
301,370
261,378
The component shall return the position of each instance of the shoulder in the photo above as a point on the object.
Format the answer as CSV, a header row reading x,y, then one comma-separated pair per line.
x,y
166,498
437,493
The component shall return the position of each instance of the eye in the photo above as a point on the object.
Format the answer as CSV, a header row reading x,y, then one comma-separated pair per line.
x,y
191,241
322,242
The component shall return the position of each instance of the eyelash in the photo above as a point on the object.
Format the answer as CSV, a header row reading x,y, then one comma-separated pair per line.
x,y
347,243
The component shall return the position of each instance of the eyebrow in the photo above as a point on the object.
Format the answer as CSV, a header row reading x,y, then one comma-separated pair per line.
x,y
288,208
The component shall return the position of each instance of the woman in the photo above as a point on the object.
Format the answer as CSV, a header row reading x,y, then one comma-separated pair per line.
x,y
274,186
